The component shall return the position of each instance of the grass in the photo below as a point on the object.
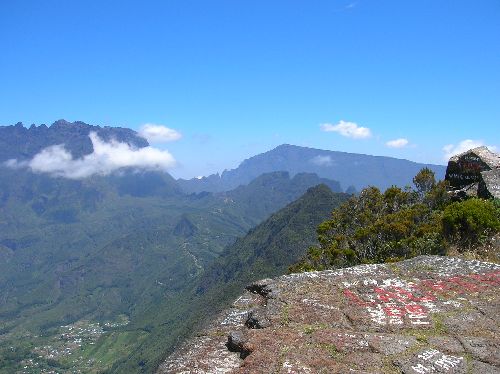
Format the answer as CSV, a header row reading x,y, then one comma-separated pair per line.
x,y
285,317
332,351
309,329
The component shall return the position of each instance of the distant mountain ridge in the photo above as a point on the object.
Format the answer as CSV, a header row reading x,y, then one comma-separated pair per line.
x,y
19,142
350,169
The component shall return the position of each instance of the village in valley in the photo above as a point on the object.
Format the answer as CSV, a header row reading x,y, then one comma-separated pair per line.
x,y
68,349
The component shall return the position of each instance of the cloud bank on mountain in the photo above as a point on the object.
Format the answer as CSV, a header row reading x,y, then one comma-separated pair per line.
x,y
106,158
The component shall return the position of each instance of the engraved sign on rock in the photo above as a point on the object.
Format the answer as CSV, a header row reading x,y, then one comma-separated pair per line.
x,y
474,173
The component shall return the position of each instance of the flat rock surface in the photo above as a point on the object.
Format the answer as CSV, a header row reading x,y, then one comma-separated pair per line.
x,y
429,314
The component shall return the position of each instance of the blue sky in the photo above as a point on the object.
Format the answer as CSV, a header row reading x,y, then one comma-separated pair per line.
x,y
237,78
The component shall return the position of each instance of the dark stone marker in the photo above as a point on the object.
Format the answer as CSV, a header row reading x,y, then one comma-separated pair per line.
x,y
474,173
465,168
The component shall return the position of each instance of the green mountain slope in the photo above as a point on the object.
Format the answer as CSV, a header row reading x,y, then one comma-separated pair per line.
x,y
266,251
105,247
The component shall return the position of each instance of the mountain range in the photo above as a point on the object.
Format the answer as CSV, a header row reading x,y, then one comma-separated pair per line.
x,y
350,169
19,142
144,253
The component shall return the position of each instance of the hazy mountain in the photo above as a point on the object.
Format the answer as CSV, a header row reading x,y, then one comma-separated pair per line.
x,y
350,169
19,142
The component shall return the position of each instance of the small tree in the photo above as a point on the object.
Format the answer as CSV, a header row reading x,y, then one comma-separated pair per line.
x,y
424,181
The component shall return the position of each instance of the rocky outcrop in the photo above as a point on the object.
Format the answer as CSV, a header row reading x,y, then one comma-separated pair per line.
x,y
425,315
474,173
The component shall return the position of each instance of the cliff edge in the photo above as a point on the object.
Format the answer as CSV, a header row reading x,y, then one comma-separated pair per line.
x,y
429,314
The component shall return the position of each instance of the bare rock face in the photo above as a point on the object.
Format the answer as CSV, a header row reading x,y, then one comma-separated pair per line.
x,y
489,185
475,173
429,314
221,346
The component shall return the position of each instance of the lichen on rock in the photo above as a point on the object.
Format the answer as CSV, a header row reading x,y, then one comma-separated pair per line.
x,y
423,315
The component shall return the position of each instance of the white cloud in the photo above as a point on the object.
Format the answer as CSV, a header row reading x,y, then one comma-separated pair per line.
x,y
322,160
159,133
348,129
397,143
106,158
452,150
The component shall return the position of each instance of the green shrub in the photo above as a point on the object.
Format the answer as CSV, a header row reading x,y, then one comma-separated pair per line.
x,y
468,222
377,227
400,223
